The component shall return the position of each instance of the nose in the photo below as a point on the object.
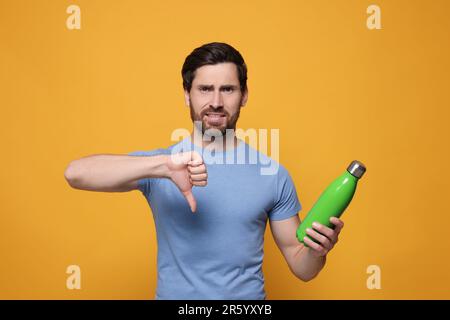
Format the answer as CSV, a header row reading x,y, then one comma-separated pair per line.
x,y
217,101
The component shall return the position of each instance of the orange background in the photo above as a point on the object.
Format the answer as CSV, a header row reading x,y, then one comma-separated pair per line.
x,y
336,90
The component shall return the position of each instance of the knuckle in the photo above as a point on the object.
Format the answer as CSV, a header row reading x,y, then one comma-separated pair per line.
x,y
318,237
329,233
322,237
330,245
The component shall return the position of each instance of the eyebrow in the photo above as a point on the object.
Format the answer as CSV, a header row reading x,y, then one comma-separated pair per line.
x,y
226,86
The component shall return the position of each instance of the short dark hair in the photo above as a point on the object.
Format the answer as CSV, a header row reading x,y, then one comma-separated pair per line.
x,y
210,54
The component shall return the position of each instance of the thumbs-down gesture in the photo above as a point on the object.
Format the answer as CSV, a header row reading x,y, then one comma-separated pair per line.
x,y
186,170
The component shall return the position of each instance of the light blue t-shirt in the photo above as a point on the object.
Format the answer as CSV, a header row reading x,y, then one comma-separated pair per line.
x,y
217,252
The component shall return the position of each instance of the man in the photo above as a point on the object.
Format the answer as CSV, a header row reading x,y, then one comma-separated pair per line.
x,y
216,252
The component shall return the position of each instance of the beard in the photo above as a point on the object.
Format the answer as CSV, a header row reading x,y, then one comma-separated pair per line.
x,y
229,121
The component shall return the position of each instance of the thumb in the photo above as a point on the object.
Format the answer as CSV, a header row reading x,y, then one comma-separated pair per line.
x,y
196,158
191,200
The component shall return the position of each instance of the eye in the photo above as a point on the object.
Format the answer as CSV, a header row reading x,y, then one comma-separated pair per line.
x,y
228,89
204,89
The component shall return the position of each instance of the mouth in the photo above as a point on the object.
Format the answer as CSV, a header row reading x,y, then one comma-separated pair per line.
x,y
215,118
215,114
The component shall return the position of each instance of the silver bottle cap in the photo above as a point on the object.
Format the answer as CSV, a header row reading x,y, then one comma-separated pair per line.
x,y
356,169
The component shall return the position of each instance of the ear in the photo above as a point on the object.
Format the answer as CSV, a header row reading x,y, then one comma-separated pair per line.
x,y
187,99
244,98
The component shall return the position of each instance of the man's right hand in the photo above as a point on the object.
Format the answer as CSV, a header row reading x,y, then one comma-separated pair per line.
x,y
186,170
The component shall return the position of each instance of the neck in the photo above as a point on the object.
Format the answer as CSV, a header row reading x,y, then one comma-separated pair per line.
x,y
229,140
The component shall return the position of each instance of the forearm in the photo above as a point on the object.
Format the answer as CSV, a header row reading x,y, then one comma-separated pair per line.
x,y
305,265
114,172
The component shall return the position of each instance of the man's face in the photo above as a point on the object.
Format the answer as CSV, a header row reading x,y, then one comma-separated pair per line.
x,y
215,98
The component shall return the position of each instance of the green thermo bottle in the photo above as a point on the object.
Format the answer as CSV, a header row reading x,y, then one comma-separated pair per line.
x,y
334,200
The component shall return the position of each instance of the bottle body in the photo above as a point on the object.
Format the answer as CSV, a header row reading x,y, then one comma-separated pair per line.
x,y
331,203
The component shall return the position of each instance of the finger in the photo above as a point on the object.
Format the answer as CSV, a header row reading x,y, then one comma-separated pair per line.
x,y
326,243
199,177
338,223
199,183
191,200
196,158
197,170
315,246
327,232
194,164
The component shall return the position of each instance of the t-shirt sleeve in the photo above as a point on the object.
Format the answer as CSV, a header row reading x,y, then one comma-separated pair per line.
x,y
286,202
145,184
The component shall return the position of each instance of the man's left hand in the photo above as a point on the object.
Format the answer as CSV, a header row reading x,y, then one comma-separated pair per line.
x,y
325,236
